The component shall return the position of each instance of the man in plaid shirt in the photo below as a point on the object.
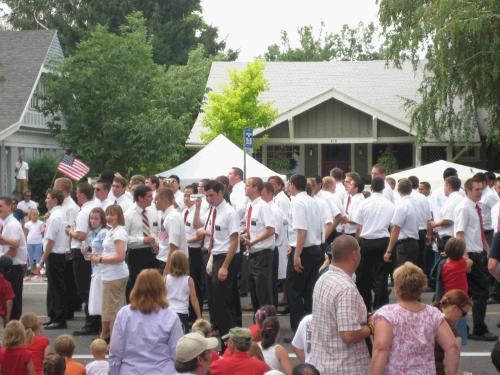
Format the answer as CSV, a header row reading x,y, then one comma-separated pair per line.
x,y
339,324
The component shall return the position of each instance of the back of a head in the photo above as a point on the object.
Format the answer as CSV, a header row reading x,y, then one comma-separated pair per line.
x,y
305,369
64,345
414,181
269,332
149,293
54,364
299,181
404,186
449,172
336,173
377,184
343,247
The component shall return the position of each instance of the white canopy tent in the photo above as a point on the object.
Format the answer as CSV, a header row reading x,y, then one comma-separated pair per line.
x,y
216,159
433,172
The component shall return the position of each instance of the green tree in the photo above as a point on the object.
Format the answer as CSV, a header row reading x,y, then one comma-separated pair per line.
x,y
41,174
238,105
349,44
460,41
176,27
113,99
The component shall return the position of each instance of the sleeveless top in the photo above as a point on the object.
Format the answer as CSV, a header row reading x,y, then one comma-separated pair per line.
x,y
270,357
178,293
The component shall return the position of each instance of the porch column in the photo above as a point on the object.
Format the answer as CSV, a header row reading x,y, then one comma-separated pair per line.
x,y
264,154
418,155
3,169
370,157
320,161
353,158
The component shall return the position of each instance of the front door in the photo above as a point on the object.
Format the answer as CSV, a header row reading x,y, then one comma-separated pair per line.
x,y
335,156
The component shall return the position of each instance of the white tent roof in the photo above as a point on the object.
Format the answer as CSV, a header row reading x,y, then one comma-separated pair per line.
x,y
433,172
216,159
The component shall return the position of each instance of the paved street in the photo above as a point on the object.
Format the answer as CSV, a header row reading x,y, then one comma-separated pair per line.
x,y
475,356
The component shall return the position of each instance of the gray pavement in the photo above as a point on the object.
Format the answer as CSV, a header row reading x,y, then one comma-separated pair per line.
x,y
475,356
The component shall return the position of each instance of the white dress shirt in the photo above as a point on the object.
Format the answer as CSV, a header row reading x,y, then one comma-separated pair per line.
x,y
333,202
423,209
82,222
261,218
448,213
340,191
283,202
70,209
239,201
54,230
388,192
12,229
280,223
374,215
325,214
350,210
124,201
27,206
226,223
171,231
494,216
188,224
404,217
438,199
304,214
488,199
179,199
467,221
133,226
103,204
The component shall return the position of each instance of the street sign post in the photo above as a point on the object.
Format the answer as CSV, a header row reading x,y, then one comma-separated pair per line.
x,y
247,147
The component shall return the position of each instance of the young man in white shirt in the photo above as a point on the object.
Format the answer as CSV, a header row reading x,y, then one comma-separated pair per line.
x,y
373,219
489,198
280,198
468,227
175,186
101,189
260,242
82,268
338,175
171,234
141,224
119,189
221,234
403,241
328,193
379,170
305,256
54,250
13,244
354,197
22,173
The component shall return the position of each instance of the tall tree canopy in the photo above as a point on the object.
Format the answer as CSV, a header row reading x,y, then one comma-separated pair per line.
x,y
349,44
461,44
116,102
176,27
238,105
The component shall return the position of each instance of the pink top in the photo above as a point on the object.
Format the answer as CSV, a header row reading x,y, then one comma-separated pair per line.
x,y
414,335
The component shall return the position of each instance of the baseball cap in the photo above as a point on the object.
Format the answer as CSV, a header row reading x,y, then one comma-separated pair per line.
x,y
192,345
5,263
240,335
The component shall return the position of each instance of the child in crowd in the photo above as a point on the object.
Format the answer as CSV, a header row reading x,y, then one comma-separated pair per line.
x,y
93,244
6,293
262,314
275,355
54,364
204,327
65,345
99,366
34,229
37,344
15,359
180,288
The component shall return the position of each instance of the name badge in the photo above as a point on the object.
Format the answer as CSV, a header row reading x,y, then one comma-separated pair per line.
x,y
155,224
217,227
253,222
188,224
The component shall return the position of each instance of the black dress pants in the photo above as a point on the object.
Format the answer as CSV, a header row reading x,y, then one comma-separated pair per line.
x,y
74,302
260,278
276,261
196,272
373,272
422,234
82,271
15,277
478,290
138,260
406,251
57,292
301,284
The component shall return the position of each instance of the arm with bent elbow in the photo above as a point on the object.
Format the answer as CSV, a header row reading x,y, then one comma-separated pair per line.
x,y
352,337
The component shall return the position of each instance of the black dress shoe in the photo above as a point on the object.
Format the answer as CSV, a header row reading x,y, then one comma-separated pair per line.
x,y
86,331
47,322
56,326
487,336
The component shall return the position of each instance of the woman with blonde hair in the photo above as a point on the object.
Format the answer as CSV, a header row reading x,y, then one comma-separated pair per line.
x,y
146,331
38,345
405,332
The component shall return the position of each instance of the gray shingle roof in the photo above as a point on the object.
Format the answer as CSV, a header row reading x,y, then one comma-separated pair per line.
x,y
293,83
22,54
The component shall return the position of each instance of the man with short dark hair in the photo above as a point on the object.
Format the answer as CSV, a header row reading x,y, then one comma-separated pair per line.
x,y
119,189
424,188
379,170
339,324
13,244
175,186
141,223
404,231
305,256
101,189
193,354
354,197
338,175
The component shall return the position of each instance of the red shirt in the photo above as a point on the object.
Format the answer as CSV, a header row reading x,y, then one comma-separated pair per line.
x,y
238,363
6,294
14,361
454,275
37,349
255,331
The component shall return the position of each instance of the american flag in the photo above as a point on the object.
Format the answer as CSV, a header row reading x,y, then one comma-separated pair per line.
x,y
72,167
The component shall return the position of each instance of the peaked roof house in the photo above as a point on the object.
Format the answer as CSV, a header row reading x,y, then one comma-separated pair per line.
x,y
339,114
24,57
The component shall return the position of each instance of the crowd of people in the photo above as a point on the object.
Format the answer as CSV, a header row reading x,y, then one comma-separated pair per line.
x,y
145,258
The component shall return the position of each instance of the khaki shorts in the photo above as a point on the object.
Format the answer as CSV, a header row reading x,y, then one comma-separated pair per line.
x,y
113,298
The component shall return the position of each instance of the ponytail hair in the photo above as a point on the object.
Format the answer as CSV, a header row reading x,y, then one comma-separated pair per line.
x,y
455,297
31,325
269,333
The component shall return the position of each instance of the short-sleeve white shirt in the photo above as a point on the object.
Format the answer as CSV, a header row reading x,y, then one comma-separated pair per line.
x,y
302,338
280,221
495,216
260,219
227,222
304,214
448,213
488,199
27,206
171,231
423,209
133,225
405,218
124,201
188,224
283,202
82,222
467,221
350,211
388,192
374,215
34,231
12,229
22,167
114,271
54,230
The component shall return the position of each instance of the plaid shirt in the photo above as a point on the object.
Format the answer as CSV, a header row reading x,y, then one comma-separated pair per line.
x,y
338,307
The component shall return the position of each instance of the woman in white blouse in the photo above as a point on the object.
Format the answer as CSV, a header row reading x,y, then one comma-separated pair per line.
x,y
114,270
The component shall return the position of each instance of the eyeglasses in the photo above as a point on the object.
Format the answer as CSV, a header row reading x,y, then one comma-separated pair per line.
x,y
464,313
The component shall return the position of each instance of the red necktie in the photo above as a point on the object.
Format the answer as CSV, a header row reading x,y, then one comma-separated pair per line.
x,y
211,243
483,237
186,215
249,216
